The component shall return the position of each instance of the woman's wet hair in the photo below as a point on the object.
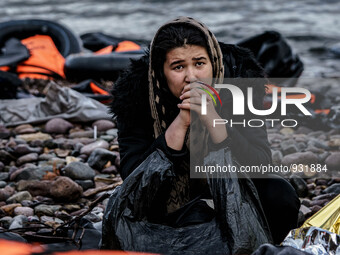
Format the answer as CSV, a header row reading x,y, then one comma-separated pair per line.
x,y
171,37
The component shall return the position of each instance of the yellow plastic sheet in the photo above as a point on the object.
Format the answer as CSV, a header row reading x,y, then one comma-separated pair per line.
x,y
327,218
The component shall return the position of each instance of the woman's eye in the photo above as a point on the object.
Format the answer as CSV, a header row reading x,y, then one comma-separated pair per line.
x,y
178,67
200,63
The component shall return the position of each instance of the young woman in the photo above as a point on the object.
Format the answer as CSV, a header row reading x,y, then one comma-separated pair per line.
x,y
152,102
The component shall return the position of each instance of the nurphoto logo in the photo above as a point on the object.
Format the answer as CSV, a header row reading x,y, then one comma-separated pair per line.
x,y
239,105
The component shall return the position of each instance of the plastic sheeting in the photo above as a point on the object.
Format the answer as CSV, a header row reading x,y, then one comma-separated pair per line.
x,y
60,102
314,240
327,218
238,228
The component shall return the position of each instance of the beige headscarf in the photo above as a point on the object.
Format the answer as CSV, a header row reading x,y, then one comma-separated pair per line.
x,y
161,112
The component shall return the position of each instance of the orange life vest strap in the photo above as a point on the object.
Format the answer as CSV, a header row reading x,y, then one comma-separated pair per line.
x,y
45,58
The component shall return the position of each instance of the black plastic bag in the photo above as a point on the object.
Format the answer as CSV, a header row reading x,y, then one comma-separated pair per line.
x,y
275,55
240,227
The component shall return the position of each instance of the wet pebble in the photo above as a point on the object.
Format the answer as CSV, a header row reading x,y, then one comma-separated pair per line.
x,y
31,157
99,157
79,134
18,197
79,171
87,149
299,185
4,177
18,222
85,184
306,158
26,211
334,188
46,209
24,129
58,126
333,161
112,132
22,149
34,187
35,137
6,221
65,189
2,184
103,125
6,192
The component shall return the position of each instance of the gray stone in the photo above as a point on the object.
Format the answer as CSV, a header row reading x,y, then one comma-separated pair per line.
x,y
314,149
305,158
333,161
99,157
33,218
46,209
107,138
6,221
35,187
58,126
79,134
85,184
2,166
334,188
45,219
34,137
113,169
6,157
87,149
103,125
24,129
276,157
65,189
318,144
301,146
305,202
31,173
323,156
305,210
303,130
31,157
93,217
26,211
46,157
328,196
79,171
316,133
18,197
18,222
4,176
320,202
299,185
4,132
27,203
315,208
6,192
289,147
113,132
3,184
22,149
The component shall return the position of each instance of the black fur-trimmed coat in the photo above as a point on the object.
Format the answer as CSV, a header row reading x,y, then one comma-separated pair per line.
x,y
131,109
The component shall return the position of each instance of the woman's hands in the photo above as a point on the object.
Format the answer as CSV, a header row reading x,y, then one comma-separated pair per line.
x,y
192,100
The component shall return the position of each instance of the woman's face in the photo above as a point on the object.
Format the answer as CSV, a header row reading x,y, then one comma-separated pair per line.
x,y
186,64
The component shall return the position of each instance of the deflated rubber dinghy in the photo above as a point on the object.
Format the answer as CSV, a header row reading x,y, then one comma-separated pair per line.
x,y
64,39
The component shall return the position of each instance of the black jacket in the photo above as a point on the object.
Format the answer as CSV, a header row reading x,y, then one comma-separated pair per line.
x,y
135,126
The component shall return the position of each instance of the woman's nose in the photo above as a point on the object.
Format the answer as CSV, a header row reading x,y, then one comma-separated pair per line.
x,y
190,75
